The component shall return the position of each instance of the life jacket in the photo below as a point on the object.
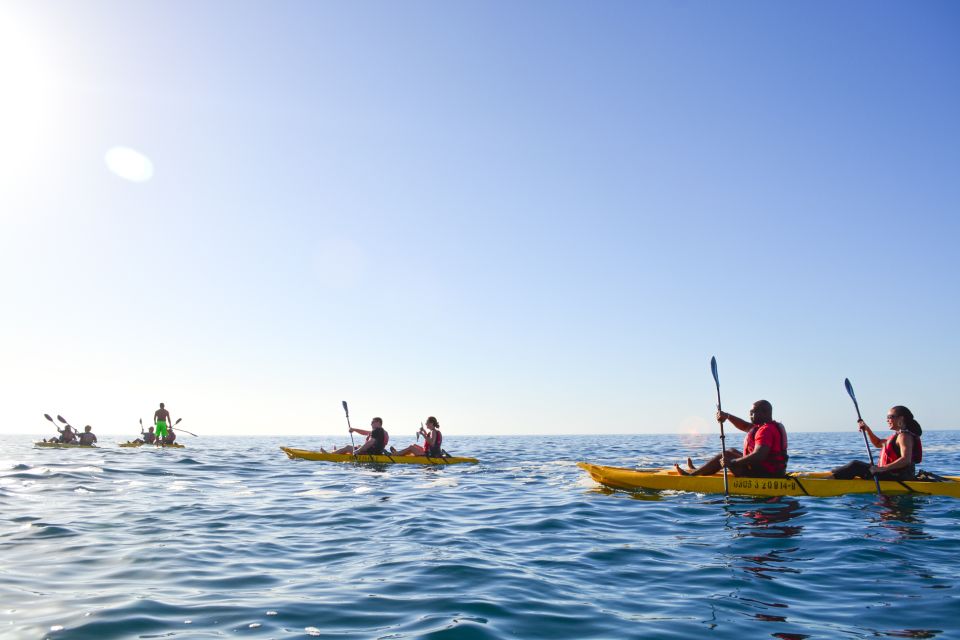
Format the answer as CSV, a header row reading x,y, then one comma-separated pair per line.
x,y
378,449
776,461
435,450
891,450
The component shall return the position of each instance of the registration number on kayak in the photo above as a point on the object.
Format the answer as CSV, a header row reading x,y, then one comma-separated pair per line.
x,y
776,484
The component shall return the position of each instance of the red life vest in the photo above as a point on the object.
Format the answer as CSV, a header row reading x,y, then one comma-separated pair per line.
x,y
776,461
891,450
437,441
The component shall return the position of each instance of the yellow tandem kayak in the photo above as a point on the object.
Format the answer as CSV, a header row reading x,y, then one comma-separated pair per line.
x,y
795,484
61,445
303,454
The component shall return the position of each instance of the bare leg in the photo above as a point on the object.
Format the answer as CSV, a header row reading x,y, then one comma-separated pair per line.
x,y
710,467
344,450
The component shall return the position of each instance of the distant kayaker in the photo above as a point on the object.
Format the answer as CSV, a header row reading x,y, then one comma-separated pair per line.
x,y
149,437
171,437
377,439
899,453
67,435
161,418
432,439
764,449
87,438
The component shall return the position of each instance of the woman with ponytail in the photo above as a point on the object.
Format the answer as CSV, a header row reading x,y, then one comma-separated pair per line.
x,y
899,454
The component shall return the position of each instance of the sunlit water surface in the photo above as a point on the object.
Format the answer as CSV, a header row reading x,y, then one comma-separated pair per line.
x,y
229,538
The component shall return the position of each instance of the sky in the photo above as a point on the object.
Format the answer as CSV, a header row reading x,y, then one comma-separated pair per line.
x,y
520,217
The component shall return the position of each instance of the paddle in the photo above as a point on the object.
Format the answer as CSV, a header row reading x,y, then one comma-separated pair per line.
x,y
723,437
353,445
184,430
47,416
846,383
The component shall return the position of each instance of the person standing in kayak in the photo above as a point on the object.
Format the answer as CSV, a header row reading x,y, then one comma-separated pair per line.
x,y
161,418
87,438
432,439
899,453
377,439
764,448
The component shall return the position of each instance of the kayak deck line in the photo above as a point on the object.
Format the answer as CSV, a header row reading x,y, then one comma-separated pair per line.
x,y
61,445
304,454
148,445
817,484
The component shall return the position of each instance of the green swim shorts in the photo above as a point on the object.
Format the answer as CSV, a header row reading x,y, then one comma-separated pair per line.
x,y
161,428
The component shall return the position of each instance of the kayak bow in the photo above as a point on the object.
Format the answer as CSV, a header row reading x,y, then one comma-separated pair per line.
x,y
795,484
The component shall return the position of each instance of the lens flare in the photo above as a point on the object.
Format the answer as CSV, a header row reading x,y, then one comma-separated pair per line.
x,y
129,164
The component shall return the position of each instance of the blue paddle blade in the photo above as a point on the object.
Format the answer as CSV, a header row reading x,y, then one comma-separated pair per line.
x,y
713,368
846,383
345,410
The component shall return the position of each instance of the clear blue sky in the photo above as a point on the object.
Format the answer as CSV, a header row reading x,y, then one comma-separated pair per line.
x,y
527,217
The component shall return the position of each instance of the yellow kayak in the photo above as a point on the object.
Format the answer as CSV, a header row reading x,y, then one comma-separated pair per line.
x,y
303,454
795,484
60,445
155,446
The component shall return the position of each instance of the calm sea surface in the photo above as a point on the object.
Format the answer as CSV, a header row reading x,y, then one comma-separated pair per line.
x,y
229,538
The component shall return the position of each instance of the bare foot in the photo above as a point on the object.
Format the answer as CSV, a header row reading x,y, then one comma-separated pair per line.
x,y
393,450
681,471
690,464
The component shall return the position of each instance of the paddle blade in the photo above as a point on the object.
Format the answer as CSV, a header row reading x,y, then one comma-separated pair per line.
x,y
713,369
60,418
47,416
177,422
846,383
141,424
345,410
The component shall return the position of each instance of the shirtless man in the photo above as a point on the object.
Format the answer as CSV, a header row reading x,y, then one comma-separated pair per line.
x,y
161,418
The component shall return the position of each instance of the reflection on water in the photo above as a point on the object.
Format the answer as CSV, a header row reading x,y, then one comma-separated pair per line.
x,y
768,520
900,514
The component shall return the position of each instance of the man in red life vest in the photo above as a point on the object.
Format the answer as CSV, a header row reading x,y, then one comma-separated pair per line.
x,y
764,449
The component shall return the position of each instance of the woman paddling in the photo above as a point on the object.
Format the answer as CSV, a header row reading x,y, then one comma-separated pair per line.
x,y
432,439
899,454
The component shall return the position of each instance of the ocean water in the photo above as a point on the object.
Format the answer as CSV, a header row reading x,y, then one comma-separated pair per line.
x,y
229,538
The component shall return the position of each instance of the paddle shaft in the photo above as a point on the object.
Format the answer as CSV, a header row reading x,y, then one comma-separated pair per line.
x,y
723,437
346,411
866,443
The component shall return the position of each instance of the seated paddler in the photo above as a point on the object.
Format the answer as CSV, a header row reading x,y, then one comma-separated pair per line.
x,y
899,453
432,441
764,452
88,438
375,443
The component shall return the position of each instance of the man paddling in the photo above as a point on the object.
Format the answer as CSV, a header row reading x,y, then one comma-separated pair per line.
x,y
764,448
161,418
376,440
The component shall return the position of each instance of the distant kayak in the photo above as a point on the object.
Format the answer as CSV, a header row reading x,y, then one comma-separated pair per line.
x,y
155,446
303,454
60,445
795,484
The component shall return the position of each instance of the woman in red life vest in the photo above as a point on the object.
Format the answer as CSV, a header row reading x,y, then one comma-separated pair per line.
x,y
432,439
899,453
764,449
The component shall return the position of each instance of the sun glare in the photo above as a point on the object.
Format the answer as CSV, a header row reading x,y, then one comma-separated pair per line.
x,y
129,164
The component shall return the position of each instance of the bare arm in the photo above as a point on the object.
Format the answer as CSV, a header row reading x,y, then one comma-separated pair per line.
x,y
739,423
876,441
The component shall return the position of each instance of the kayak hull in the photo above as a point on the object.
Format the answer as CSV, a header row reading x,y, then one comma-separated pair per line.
x,y
304,454
60,445
796,484
154,446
